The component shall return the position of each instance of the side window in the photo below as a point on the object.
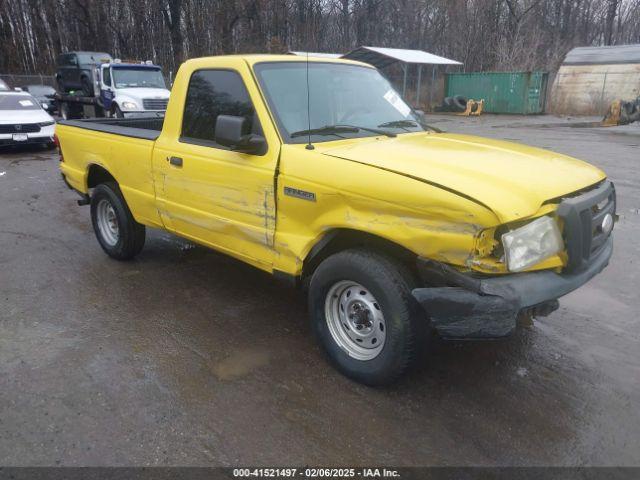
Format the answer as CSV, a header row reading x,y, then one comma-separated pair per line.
x,y
65,60
212,93
106,76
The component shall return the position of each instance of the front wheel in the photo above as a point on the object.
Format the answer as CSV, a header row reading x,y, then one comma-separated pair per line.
x,y
365,317
116,112
119,235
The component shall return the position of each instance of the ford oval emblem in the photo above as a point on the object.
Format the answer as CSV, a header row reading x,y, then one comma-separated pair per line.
x,y
607,224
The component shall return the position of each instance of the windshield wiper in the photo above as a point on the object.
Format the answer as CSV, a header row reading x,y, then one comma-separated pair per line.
x,y
405,124
326,130
337,129
399,124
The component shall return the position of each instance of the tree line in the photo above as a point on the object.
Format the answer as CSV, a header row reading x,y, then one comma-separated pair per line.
x,y
483,34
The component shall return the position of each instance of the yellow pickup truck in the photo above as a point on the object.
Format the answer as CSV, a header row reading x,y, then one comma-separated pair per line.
x,y
317,171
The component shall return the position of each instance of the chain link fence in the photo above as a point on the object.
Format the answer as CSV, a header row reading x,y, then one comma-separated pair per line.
x,y
21,81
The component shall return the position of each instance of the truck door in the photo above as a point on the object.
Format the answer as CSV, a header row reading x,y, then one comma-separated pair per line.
x,y
68,65
73,72
206,191
106,87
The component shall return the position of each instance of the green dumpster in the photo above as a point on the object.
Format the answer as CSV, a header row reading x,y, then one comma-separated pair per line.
x,y
503,92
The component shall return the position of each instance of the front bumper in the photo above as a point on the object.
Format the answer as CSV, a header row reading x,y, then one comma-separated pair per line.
x,y
143,113
6,141
488,307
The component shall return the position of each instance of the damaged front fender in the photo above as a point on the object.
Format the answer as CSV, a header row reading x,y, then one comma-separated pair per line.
x,y
463,306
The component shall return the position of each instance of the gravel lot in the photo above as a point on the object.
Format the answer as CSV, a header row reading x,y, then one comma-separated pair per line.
x,y
186,357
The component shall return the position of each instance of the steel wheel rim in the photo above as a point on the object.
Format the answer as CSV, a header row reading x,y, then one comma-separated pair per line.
x,y
355,320
107,222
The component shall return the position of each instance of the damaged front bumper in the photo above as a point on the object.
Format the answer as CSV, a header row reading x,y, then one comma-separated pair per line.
x,y
489,307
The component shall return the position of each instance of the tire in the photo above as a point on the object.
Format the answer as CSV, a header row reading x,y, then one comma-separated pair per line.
x,y
87,87
70,112
65,112
382,287
119,235
116,112
460,103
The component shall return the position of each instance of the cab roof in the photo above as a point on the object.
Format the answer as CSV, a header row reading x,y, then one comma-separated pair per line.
x,y
252,59
135,65
83,52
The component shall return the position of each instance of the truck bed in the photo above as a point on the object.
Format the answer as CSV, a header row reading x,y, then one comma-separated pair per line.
x,y
147,128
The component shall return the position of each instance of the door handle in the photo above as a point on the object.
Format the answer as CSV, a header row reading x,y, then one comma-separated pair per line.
x,y
175,161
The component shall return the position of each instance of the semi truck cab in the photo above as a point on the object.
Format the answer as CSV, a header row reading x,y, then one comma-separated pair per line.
x,y
132,89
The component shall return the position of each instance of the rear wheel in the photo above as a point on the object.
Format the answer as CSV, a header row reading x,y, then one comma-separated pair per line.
x,y
365,317
70,111
65,112
119,235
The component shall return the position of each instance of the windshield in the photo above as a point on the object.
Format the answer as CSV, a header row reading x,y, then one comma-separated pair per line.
x,y
18,102
40,90
138,78
340,94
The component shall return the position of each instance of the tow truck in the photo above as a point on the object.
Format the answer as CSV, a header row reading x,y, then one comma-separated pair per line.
x,y
120,90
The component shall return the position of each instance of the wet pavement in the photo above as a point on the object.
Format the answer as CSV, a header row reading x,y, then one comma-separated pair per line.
x,y
186,357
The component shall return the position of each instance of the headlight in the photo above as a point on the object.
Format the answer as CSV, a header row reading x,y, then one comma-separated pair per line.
x,y
46,124
129,105
531,244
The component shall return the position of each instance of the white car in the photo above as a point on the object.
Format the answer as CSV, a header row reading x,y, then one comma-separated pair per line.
x,y
23,121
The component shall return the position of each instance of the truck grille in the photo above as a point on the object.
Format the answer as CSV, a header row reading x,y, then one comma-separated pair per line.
x,y
583,216
155,103
20,128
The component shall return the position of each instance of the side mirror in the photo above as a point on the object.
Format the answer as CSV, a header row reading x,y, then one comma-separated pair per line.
x,y
229,130
18,89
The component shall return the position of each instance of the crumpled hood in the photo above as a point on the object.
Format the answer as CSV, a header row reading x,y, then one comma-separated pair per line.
x,y
512,180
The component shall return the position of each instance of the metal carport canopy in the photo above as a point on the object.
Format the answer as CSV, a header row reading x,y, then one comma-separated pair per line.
x,y
381,57
315,54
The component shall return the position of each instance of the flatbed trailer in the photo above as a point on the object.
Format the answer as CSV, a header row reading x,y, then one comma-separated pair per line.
x,y
72,106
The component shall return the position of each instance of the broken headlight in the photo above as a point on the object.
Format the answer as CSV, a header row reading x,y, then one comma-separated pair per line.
x,y
532,243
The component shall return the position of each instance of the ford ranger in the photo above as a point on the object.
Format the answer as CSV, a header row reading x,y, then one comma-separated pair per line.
x,y
319,173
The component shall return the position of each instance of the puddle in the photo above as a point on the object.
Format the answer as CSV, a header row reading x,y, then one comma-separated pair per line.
x,y
240,364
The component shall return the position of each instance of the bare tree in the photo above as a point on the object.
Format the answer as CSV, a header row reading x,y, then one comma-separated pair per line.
x,y
484,34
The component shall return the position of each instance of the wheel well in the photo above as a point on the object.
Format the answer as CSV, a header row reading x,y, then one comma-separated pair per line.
x,y
342,239
98,175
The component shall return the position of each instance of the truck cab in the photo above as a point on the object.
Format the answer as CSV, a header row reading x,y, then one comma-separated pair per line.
x,y
132,89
